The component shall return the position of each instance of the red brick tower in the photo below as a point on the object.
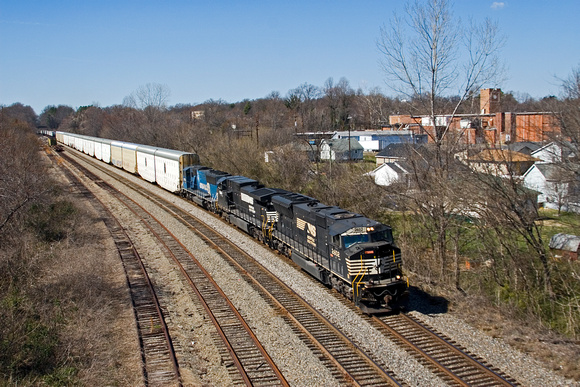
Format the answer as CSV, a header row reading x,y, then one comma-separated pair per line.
x,y
489,101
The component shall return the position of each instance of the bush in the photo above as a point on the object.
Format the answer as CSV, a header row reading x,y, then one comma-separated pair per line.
x,y
51,222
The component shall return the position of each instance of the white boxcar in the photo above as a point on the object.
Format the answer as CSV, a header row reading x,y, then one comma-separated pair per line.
x,y
78,143
98,148
89,145
81,143
106,150
130,157
67,139
169,165
146,162
117,153
85,144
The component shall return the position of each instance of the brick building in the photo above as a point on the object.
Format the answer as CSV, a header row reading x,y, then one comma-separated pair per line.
x,y
491,125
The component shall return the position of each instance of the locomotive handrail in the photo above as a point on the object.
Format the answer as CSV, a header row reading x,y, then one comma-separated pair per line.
x,y
355,277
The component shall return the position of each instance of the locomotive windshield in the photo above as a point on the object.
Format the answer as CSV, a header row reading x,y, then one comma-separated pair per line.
x,y
361,235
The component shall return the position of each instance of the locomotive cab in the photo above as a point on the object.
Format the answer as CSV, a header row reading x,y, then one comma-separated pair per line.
x,y
374,267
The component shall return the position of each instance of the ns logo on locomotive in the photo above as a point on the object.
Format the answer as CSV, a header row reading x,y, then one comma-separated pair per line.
x,y
353,254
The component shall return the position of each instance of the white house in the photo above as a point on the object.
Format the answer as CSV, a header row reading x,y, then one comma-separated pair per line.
x,y
549,153
389,173
557,186
556,191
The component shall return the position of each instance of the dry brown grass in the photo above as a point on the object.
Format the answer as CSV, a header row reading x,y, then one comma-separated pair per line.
x,y
65,315
88,280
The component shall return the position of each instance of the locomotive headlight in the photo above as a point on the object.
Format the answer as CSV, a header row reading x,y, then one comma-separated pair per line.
x,y
369,229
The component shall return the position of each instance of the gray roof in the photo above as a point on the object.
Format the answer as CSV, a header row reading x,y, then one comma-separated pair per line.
x,y
341,144
565,242
550,171
524,147
401,149
396,168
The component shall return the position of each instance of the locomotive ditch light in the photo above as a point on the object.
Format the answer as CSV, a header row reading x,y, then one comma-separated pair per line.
x,y
398,277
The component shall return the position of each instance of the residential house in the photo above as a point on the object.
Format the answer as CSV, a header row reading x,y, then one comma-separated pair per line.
x,y
396,152
552,153
343,149
390,173
500,162
558,188
545,179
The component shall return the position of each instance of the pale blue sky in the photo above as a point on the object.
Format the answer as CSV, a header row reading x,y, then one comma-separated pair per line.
x,y
85,52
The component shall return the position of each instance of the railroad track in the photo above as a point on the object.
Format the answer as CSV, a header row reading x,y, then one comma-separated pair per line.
x,y
450,362
346,361
351,365
254,366
446,358
160,366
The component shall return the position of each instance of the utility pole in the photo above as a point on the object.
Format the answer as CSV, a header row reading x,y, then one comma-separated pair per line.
x,y
349,118
257,128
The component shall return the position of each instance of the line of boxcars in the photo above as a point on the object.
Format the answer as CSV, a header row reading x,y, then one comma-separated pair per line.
x,y
355,255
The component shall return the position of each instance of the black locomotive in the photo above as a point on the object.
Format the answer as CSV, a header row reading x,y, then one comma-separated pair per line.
x,y
353,254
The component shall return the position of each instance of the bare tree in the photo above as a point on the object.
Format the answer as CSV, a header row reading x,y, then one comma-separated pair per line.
x,y
373,107
23,175
53,116
151,100
568,114
150,95
18,111
302,101
427,55
339,98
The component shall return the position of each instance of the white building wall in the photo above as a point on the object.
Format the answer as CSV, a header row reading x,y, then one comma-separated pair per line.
x,y
551,153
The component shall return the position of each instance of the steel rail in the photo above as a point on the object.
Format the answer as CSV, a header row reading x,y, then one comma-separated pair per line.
x,y
245,325
485,372
238,316
121,237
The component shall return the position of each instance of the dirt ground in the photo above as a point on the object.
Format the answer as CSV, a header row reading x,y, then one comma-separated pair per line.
x,y
86,274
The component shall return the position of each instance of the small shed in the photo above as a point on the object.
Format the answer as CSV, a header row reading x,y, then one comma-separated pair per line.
x,y
565,245
390,173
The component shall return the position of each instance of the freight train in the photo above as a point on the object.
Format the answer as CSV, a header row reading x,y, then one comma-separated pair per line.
x,y
355,255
